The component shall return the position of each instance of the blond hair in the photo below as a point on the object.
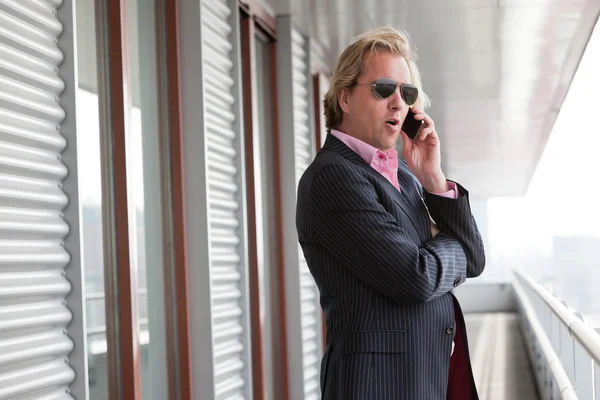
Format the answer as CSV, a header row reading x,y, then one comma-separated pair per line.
x,y
351,64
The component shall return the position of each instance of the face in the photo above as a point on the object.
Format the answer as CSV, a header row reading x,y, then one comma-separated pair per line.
x,y
367,117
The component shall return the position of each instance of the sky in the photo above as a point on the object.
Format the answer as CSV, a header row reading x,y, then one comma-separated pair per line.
x,y
563,196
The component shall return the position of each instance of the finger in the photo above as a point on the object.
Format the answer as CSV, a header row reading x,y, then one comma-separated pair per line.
x,y
420,114
426,132
405,137
426,120
406,142
428,125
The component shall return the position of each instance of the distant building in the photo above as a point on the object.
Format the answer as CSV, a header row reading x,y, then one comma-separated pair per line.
x,y
577,274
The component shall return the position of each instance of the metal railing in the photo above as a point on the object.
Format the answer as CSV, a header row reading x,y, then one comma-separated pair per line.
x,y
564,350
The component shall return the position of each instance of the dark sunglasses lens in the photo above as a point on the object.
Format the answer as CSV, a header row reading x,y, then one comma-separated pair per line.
x,y
410,94
385,89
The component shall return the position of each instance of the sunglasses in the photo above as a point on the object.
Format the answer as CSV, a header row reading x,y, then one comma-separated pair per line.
x,y
384,88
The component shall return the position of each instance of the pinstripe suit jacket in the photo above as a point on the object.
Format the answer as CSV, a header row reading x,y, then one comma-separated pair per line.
x,y
384,281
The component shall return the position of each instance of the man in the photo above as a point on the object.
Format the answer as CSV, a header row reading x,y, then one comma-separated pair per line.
x,y
385,271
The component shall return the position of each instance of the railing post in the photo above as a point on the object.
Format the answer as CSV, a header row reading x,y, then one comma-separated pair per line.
x,y
596,381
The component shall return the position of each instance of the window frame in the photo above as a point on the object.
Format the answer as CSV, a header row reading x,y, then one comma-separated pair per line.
x,y
255,20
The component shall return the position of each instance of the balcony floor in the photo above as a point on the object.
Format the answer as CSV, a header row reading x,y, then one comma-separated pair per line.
x,y
499,358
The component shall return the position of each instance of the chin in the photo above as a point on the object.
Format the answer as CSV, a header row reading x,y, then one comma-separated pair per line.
x,y
385,146
392,142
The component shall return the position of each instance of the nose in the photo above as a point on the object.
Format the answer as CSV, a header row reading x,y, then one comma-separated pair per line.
x,y
396,102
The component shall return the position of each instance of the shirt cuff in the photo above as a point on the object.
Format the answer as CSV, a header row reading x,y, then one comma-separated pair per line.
x,y
452,193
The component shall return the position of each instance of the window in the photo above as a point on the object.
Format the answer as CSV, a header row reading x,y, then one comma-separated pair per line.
x,y
259,79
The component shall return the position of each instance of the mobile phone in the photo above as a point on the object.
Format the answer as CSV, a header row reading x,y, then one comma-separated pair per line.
x,y
411,126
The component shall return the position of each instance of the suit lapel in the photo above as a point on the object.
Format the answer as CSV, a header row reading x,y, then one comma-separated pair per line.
x,y
334,144
402,198
407,180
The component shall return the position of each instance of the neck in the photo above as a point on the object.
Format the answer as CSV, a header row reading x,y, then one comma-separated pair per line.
x,y
345,128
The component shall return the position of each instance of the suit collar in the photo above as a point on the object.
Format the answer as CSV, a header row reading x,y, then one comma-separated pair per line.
x,y
334,144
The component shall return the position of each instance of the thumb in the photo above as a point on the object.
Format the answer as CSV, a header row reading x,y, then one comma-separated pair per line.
x,y
406,142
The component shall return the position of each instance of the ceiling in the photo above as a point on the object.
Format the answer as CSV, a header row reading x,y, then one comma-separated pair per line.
x,y
497,72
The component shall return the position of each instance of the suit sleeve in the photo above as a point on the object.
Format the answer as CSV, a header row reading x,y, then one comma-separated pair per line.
x,y
348,220
454,218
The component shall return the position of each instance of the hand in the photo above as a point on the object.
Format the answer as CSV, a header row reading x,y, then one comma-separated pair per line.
x,y
423,155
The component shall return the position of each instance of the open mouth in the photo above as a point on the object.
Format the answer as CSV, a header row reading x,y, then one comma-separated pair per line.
x,y
392,122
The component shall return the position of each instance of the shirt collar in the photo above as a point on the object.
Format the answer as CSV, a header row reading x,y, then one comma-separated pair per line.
x,y
364,150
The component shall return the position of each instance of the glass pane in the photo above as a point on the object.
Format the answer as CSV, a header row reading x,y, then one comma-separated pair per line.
x,y
265,214
90,197
144,196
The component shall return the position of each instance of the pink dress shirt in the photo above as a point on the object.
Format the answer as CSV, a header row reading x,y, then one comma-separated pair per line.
x,y
384,163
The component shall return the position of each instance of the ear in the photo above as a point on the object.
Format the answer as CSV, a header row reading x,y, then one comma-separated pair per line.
x,y
343,98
